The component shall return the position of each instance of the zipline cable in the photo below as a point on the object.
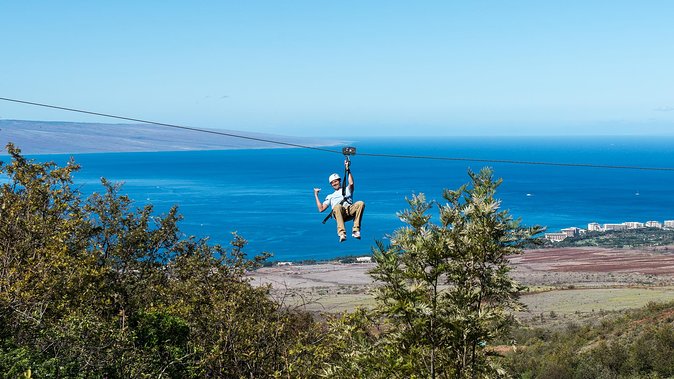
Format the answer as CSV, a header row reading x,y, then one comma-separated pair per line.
x,y
400,156
590,165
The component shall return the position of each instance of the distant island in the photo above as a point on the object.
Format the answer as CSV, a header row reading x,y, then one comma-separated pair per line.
x,y
58,137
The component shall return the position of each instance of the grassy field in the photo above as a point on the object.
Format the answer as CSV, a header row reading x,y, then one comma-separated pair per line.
x,y
340,303
561,303
576,302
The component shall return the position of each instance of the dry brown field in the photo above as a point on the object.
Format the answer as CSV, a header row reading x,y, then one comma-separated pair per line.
x,y
561,283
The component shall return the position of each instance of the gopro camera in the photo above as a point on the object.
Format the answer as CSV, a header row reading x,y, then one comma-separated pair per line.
x,y
349,150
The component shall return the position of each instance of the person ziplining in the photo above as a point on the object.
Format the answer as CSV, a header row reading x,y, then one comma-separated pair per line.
x,y
341,200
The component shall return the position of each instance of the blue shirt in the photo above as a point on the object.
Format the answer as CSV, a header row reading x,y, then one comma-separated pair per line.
x,y
336,197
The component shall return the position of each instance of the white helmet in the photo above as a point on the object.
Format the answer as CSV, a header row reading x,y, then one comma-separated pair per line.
x,y
333,177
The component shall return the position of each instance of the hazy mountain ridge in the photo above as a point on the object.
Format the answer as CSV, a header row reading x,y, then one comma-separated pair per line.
x,y
57,137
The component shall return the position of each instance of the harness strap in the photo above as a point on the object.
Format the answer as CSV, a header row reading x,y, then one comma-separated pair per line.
x,y
330,214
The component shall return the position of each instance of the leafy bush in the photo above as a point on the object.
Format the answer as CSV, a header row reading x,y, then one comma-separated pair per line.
x,y
638,344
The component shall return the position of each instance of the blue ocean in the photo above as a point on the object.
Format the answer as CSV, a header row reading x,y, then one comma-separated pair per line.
x,y
266,195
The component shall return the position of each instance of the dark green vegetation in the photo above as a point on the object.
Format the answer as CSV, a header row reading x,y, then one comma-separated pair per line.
x,y
619,239
635,344
94,288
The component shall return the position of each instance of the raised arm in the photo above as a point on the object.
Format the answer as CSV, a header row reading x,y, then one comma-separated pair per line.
x,y
347,166
321,207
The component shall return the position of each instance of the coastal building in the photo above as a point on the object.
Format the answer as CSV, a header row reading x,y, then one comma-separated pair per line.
x,y
572,232
608,227
364,259
633,225
594,227
284,264
654,224
555,237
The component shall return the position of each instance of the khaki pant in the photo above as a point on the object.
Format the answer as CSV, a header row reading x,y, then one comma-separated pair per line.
x,y
347,213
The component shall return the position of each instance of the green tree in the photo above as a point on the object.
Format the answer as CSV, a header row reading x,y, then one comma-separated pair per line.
x,y
45,268
97,288
445,291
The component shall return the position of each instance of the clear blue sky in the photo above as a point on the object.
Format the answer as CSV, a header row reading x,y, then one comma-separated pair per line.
x,y
347,68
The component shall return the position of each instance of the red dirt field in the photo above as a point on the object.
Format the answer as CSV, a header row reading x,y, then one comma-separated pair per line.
x,y
584,266
569,281
653,261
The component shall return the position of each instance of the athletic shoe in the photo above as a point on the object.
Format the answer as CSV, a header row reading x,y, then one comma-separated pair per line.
x,y
342,237
356,234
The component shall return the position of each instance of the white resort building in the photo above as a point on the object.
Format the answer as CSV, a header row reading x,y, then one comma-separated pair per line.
x,y
555,237
615,227
573,231
594,227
